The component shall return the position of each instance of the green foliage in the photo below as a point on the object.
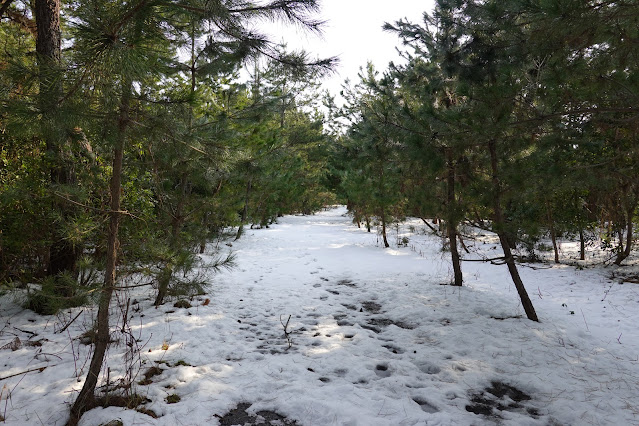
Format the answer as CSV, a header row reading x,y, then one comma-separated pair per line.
x,y
56,293
173,399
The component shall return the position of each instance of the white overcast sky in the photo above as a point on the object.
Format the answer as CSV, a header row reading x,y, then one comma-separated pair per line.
x,y
353,32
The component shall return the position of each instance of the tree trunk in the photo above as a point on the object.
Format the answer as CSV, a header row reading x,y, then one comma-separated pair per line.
x,y
63,256
368,224
582,245
86,396
625,252
452,225
177,216
240,230
454,254
553,234
49,39
163,284
383,218
503,238
356,217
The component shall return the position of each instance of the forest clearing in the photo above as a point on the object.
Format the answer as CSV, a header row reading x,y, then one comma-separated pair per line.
x,y
195,229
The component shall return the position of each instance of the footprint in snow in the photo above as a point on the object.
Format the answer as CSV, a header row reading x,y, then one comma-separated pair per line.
x,y
427,367
394,349
425,405
350,307
341,372
347,283
382,370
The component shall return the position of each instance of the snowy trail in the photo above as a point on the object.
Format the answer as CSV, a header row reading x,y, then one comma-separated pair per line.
x,y
375,340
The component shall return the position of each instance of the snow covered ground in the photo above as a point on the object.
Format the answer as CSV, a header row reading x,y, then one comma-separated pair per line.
x,y
375,339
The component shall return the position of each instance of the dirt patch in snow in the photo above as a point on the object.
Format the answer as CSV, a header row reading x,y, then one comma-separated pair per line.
x,y
500,397
239,416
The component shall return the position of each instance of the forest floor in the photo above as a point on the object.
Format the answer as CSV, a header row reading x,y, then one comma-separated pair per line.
x,y
375,337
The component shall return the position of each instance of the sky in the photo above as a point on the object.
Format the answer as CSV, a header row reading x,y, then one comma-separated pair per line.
x,y
353,32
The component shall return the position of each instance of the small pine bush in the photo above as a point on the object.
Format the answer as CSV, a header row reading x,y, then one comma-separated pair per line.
x,y
56,293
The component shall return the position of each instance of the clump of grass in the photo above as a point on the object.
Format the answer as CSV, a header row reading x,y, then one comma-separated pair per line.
x,y
173,398
151,372
182,303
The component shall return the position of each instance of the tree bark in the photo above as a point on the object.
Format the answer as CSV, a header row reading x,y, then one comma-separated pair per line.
x,y
62,255
582,245
625,252
86,396
383,218
49,35
452,224
503,237
553,234
48,49
240,230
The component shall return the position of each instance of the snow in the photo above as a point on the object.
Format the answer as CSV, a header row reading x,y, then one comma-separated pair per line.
x,y
376,339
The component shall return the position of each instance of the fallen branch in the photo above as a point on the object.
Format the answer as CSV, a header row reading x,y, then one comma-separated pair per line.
x,y
492,259
70,322
435,231
40,369
26,331
287,333
126,287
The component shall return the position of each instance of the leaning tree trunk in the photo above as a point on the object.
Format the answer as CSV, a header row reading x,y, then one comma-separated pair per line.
x,y
452,223
499,223
86,397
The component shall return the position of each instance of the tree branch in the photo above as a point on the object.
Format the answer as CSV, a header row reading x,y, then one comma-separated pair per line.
x,y
4,6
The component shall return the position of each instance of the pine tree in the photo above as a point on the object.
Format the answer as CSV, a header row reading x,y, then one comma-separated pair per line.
x,y
432,119
374,177
122,45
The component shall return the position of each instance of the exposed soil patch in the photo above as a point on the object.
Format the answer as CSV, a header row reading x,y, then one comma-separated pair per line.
x,y
347,283
376,324
500,397
371,307
148,374
239,416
